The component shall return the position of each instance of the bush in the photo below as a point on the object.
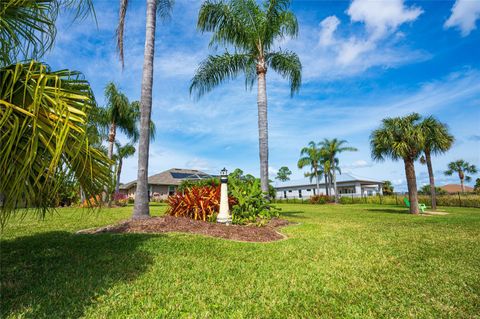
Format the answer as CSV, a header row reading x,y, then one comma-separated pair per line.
x,y
251,205
130,200
198,203
321,199
187,184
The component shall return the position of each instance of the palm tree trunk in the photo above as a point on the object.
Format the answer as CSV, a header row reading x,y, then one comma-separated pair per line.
x,y
326,184
433,195
412,185
463,186
263,126
318,181
119,171
111,139
141,208
334,178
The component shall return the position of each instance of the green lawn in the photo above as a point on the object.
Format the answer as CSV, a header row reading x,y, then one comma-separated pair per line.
x,y
350,261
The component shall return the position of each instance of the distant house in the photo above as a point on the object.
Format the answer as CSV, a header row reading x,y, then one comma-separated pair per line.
x,y
347,185
456,188
165,183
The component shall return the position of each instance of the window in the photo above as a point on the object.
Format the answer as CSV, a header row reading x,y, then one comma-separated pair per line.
x,y
171,190
299,193
284,194
290,191
308,190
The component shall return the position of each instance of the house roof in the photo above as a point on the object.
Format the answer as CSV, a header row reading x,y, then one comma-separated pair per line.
x,y
456,188
341,178
173,176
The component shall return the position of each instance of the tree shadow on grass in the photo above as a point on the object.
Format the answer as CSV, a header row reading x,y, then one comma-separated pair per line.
x,y
389,210
59,274
293,214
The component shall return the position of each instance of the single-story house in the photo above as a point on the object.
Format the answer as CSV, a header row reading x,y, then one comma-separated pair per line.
x,y
347,185
163,184
456,188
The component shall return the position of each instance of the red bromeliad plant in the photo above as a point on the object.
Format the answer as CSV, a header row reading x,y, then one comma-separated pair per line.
x,y
199,203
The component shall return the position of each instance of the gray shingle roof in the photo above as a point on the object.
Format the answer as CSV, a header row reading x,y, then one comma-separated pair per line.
x,y
173,176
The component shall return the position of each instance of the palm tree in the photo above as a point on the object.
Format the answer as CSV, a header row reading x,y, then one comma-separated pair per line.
x,y
461,167
283,174
162,8
311,155
332,148
400,138
437,141
252,30
119,114
387,188
123,152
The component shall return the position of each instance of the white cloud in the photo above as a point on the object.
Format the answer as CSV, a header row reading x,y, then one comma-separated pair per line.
x,y
328,27
382,17
357,164
464,16
376,44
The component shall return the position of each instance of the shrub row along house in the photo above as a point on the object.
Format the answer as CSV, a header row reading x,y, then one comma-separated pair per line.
x,y
163,184
347,184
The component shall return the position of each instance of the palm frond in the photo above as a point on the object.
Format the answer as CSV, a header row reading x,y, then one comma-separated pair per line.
x,y
288,65
43,130
227,27
216,69
27,27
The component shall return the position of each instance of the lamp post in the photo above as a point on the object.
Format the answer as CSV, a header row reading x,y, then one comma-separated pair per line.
x,y
224,216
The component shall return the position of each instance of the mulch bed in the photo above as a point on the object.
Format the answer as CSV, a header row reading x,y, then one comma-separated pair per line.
x,y
249,233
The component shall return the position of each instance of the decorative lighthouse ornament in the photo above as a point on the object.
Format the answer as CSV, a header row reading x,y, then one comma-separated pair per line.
x,y
224,216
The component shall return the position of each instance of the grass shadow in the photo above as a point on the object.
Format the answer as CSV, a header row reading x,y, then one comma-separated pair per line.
x,y
388,210
60,274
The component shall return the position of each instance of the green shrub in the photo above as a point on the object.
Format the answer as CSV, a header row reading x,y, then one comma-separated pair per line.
x,y
321,199
251,206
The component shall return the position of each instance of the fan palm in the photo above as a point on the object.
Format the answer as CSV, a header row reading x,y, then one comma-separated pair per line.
x,y
400,138
252,30
311,155
332,148
461,167
437,141
43,121
123,152
162,8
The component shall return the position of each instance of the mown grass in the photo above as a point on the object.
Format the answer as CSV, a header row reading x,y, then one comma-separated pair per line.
x,y
351,261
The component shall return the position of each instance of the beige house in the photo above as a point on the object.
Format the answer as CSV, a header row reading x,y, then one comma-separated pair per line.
x,y
165,183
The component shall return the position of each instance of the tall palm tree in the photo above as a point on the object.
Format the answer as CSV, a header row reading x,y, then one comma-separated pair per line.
x,y
437,141
400,138
252,30
332,148
461,167
162,8
311,155
123,152
119,114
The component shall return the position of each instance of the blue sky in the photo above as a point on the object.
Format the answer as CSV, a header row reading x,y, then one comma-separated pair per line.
x,y
362,61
